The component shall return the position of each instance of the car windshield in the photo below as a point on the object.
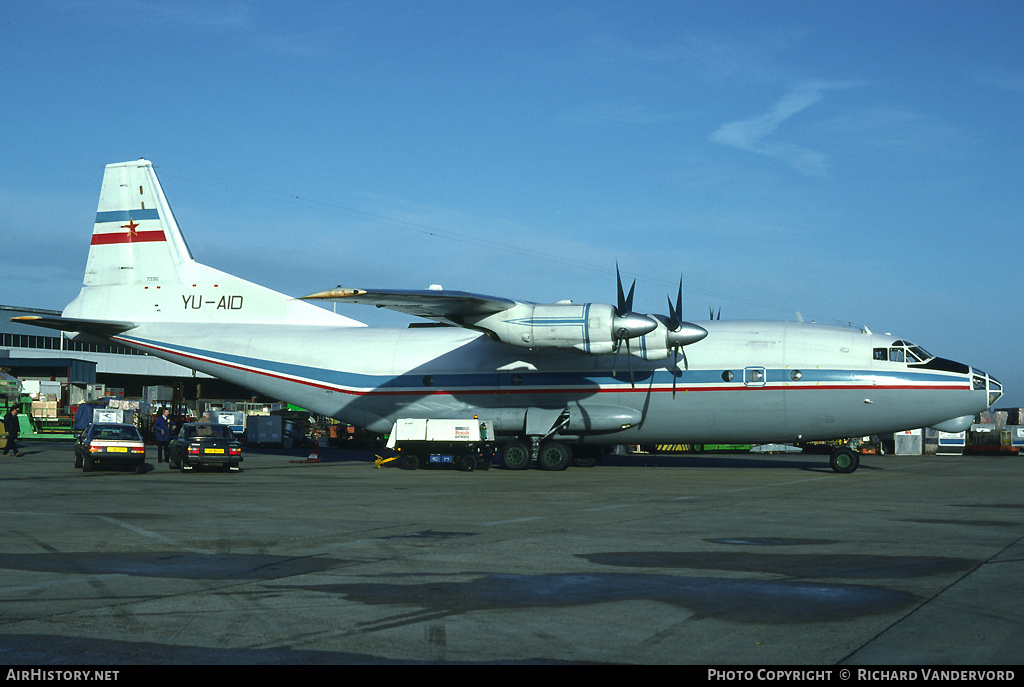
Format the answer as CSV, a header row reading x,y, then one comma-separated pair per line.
x,y
117,433
215,431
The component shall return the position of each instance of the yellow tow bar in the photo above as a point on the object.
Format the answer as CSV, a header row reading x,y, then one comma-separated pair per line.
x,y
380,461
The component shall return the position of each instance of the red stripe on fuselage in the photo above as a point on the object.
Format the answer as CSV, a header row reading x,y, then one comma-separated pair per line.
x,y
557,390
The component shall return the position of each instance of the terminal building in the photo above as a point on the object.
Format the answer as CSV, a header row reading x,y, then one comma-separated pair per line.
x,y
76,372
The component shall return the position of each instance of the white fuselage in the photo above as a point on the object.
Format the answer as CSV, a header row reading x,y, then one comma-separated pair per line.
x,y
749,381
552,371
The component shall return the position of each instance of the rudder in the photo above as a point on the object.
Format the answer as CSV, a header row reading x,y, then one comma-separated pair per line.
x,y
141,270
135,234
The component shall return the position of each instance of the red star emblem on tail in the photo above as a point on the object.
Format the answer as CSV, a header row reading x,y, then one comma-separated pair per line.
x,y
130,227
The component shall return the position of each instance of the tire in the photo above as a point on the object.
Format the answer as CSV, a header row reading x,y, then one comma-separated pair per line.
x,y
410,462
87,464
516,455
586,456
554,456
466,463
844,461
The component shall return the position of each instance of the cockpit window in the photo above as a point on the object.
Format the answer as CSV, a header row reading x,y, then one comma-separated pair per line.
x,y
902,351
919,353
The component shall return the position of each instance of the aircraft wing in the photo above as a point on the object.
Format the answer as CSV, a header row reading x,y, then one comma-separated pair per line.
x,y
450,307
74,324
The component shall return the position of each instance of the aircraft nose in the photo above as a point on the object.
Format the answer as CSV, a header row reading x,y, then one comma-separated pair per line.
x,y
995,389
985,382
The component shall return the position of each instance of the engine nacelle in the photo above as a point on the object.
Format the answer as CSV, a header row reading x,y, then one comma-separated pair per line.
x,y
588,327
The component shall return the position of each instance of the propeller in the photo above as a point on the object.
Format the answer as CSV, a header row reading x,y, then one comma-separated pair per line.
x,y
680,333
627,324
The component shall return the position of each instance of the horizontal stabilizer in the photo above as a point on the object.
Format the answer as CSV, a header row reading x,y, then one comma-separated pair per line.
x,y
74,324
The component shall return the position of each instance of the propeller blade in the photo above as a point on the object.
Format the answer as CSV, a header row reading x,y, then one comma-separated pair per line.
x,y
675,316
629,362
628,324
624,305
674,375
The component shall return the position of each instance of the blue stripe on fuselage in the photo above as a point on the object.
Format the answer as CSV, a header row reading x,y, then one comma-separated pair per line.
x,y
538,382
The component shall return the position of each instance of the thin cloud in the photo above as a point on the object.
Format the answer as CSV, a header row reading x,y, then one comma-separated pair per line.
x,y
756,135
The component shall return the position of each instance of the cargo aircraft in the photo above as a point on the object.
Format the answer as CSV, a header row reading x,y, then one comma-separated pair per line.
x,y
552,379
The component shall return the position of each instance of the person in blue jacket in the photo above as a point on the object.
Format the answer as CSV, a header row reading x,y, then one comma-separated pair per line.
x,y
164,428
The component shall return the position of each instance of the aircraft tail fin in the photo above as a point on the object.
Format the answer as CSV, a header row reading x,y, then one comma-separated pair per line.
x,y
134,227
141,270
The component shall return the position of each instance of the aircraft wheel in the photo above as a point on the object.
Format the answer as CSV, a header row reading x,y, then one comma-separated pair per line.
x,y
586,456
844,460
516,455
554,456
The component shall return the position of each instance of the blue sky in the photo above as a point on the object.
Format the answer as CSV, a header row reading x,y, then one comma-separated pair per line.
x,y
854,162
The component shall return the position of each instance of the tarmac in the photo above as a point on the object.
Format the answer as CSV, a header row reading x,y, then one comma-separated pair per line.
x,y
734,560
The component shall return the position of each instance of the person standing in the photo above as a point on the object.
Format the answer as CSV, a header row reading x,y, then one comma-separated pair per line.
x,y
12,427
164,427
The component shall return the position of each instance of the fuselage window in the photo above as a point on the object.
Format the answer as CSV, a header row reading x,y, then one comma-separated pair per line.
x,y
881,354
895,355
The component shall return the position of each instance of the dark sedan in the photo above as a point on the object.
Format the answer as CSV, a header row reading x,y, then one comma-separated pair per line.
x,y
104,443
202,444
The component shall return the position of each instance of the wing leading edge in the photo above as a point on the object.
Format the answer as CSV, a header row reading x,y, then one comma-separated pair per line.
x,y
593,328
449,307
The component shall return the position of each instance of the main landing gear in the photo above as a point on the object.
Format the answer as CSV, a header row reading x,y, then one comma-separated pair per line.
x,y
844,460
550,455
